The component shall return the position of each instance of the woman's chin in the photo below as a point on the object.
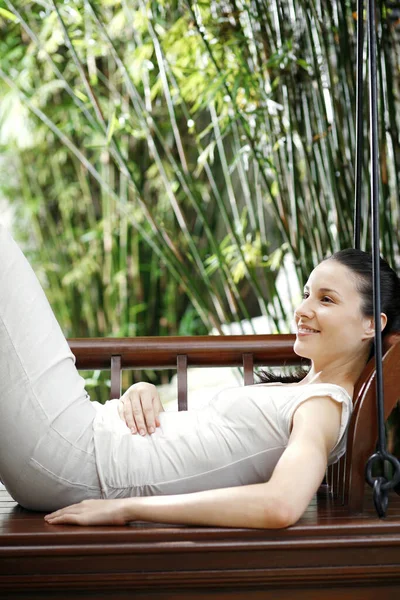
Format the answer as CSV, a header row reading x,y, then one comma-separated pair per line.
x,y
300,350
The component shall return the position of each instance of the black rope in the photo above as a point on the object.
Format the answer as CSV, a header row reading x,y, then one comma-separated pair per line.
x,y
381,485
359,124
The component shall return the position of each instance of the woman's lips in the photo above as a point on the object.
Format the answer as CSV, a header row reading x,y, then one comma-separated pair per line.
x,y
306,331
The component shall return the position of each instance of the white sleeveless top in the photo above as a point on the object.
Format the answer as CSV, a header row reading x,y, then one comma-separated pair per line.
x,y
236,440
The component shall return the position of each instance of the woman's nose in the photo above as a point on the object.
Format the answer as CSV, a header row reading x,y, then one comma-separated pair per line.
x,y
305,309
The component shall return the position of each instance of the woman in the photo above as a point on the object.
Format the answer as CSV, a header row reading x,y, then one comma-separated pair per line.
x,y
253,458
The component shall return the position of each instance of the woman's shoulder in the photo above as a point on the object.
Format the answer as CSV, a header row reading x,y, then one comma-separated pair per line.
x,y
328,386
311,388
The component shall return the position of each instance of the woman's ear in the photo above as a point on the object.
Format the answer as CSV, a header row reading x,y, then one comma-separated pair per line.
x,y
369,331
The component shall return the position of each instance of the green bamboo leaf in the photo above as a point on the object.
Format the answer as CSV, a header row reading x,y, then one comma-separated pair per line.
x,y
112,123
8,15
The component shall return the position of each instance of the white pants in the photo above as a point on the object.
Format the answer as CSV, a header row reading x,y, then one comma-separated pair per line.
x,y
46,439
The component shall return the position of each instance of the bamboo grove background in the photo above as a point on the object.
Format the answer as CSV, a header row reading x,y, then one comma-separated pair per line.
x,y
165,160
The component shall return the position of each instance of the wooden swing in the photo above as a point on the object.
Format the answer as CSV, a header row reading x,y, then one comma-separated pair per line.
x,y
339,546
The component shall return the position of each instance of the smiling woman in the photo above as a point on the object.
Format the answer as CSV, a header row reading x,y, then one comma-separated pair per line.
x,y
253,457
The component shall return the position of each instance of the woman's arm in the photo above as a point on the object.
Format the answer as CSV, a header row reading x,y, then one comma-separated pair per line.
x,y
248,506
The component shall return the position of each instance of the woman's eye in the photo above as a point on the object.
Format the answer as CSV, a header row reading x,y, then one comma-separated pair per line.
x,y
326,299
305,295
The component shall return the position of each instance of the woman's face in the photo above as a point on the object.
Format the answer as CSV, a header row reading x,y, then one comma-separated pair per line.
x,y
329,321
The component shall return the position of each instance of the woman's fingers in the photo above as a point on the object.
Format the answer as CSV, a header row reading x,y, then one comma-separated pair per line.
x,y
139,408
69,519
148,416
68,515
132,407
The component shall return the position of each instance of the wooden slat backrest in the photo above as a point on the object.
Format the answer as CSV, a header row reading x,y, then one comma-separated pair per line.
x,y
363,427
336,473
181,367
115,390
346,477
248,368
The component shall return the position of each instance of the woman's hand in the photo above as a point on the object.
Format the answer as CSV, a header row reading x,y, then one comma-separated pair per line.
x,y
139,407
90,512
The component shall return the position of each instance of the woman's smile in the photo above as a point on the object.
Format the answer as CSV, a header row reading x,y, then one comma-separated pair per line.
x,y
304,330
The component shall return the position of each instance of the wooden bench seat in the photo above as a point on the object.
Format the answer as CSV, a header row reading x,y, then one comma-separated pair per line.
x,y
339,546
327,552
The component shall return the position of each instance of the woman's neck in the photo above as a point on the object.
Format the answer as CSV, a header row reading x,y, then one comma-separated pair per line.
x,y
343,373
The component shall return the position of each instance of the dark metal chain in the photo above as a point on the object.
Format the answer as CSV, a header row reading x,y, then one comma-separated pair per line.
x,y
381,485
359,125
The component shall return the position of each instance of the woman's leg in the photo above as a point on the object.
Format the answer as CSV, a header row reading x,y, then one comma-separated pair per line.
x,y
46,441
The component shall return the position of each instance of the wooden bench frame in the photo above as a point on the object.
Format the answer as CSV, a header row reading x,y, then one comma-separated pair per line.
x,y
333,549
